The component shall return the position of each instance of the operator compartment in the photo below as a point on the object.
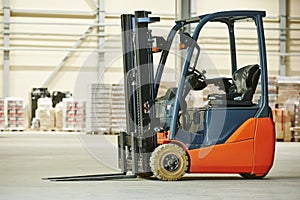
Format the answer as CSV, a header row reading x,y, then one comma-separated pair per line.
x,y
221,113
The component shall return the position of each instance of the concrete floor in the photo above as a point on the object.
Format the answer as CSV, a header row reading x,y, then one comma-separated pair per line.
x,y
27,157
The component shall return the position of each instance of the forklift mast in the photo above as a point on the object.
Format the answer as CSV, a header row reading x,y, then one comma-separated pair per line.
x,y
138,142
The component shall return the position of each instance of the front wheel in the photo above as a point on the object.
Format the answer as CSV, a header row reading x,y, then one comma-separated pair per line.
x,y
169,162
253,176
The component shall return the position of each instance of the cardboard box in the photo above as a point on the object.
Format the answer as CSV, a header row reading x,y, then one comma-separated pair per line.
x,y
282,119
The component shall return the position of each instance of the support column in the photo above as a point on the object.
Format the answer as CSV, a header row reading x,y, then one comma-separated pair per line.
x,y
6,38
183,11
101,54
282,37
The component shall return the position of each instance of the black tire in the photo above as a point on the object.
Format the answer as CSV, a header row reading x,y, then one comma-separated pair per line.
x,y
252,176
169,162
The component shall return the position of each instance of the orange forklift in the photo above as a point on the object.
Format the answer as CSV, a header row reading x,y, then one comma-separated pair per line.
x,y
165,138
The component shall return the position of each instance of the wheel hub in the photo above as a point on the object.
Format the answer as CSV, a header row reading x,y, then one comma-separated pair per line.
x,y
171,162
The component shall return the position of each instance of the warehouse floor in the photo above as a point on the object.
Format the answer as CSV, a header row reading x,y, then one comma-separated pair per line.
x,y
27,157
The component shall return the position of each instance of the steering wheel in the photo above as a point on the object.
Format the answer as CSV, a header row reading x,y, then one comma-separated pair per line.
x,y
196,79
199,75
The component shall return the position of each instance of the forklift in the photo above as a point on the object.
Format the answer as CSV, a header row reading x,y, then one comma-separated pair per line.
x,y
167,139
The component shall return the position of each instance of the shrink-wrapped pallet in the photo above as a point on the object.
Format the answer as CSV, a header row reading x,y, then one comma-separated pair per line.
x,y
45,114
59,116
46,118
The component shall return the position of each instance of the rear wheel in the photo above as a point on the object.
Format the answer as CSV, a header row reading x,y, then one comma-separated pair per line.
x,y
169,162
253,176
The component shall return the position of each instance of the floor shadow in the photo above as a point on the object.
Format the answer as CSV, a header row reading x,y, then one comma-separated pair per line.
x,y
226,178
199,178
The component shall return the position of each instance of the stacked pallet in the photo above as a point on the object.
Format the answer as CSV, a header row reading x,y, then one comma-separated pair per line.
x,y
282,119
14,114
288,90
272,91
296,122
58,116
2,115
45,114
74,115
98,107
288,98
118,112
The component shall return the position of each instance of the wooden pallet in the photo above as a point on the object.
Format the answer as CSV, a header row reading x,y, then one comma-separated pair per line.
x,y
113,133
284,139
48,130
296,129
296,139
14,130
97,132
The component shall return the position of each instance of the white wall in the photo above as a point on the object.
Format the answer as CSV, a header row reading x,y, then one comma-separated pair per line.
x,y
294,45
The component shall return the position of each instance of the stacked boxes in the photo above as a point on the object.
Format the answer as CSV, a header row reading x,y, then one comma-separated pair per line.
x,y
35,94
288,98
288,90
99,108
272,90
118,111
14,113
106,109
2,115
296,122
74,115
282,119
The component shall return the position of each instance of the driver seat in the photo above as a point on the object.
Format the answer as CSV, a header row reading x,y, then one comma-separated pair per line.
x,y
240,93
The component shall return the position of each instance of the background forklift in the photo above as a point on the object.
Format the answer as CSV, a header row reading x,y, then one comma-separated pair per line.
x,y
232,135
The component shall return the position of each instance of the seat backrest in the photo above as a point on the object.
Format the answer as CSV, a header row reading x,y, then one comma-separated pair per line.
x,y
245,81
